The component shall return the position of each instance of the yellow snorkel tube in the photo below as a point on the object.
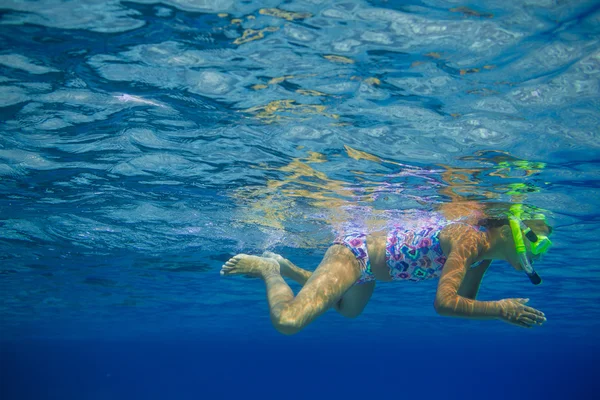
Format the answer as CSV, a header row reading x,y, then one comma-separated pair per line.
x,y
522,250
539,244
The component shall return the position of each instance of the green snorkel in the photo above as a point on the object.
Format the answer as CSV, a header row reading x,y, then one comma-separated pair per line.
x,y
539,244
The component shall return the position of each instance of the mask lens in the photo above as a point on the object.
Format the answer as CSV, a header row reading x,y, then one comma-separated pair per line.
x,y
541,246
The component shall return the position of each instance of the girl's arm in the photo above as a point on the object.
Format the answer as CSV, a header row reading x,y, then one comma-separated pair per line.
x,y
472,280
450,300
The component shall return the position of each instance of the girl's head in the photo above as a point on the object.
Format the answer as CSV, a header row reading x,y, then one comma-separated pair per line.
x,y
539,226
520,243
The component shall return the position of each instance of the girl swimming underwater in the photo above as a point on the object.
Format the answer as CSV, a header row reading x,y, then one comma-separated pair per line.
x,y
457,252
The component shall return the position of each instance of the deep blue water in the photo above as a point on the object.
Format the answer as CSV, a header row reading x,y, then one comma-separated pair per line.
x,y
296,368
144,143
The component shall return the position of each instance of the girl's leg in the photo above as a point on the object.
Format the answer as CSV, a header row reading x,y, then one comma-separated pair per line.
x,y
352,303
289,269
338,271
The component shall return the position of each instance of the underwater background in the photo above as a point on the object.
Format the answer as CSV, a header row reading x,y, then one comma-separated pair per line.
x,y
143,143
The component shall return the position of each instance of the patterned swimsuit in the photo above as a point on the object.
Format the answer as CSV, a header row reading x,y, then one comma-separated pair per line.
x,y
410,254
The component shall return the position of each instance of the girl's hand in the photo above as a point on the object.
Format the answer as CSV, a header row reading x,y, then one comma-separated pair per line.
x,y
514,311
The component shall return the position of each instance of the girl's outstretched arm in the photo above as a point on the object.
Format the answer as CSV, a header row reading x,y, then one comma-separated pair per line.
x,y
472,281
449,301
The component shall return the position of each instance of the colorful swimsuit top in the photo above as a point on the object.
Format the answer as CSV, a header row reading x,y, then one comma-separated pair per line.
x,y
415,254
411,253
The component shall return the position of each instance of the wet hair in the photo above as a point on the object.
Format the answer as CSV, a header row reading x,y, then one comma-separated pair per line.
x,y
499,222
493,222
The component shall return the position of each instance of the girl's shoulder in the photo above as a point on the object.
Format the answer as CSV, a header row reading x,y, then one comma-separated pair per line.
x,y
462,228
461,235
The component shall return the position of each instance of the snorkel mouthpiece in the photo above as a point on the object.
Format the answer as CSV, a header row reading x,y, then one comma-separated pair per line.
x,y
534,278
531,274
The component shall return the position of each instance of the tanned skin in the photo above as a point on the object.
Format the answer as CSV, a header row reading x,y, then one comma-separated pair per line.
x,y
332,284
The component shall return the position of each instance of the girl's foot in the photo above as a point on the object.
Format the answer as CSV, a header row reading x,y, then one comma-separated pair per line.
x,y
243,264
284,264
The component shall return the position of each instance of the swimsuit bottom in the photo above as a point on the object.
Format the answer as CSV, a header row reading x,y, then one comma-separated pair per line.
x,y
357,243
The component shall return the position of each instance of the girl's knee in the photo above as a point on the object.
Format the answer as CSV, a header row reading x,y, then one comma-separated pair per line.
x,y
287,327
286,323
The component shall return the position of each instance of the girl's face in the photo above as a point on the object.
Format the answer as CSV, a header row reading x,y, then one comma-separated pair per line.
x,y
512,255
513,259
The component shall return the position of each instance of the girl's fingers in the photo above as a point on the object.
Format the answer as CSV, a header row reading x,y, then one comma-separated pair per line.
x,y
527,321
533,311
536,318
535,314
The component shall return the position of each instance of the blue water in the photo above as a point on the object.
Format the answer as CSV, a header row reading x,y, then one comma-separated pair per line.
x,y
144,143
